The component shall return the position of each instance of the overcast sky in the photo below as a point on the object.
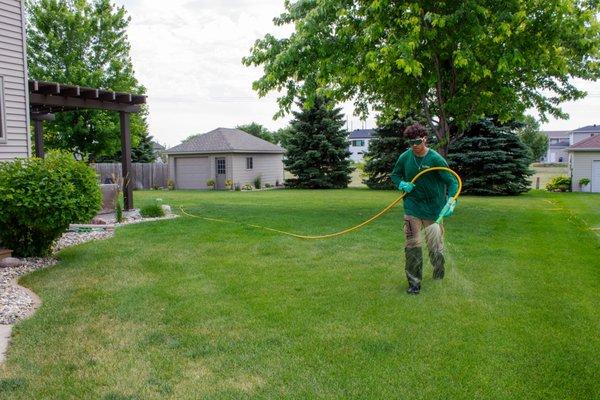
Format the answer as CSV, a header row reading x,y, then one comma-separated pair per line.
x,y
188,55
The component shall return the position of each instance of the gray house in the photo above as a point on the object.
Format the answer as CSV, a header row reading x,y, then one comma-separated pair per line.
x,y
558,141
14,93
580,134
584,162
225,154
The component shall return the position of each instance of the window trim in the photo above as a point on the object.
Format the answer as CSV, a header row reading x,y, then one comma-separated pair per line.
x,y
2,112
251,159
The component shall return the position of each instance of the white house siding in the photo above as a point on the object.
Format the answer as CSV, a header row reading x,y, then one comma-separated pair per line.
x,y
581,167
13,82
358,151
268,166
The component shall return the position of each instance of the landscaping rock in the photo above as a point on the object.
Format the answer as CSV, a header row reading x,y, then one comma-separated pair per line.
x,y
166,209
10,262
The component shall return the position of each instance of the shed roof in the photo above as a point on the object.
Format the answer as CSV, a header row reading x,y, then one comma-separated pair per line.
x,y
361,134
590,144
225,140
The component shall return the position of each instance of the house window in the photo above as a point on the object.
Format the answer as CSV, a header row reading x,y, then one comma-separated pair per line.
x,y
2,114
358,143
249,163
221,166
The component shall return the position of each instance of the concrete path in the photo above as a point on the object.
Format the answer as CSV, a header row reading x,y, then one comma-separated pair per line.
x,y
5,331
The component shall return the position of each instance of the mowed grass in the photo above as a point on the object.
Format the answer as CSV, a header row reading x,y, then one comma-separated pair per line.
x,y
192,309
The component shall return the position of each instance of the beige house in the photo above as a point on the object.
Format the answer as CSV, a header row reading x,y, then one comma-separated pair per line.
x,y
584,162
225,154
14,92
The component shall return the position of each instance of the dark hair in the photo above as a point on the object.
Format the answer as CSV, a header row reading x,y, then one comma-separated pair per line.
x,y
415,131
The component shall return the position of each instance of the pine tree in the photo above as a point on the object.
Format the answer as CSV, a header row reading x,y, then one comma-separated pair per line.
x,y
144,151
388,143
317,147
491,159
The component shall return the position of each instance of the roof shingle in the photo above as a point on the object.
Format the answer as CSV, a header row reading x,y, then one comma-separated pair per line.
x,y
591,143
225,140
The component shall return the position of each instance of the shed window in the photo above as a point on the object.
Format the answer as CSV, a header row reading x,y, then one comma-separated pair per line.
x,y
221,166
249,163
2,113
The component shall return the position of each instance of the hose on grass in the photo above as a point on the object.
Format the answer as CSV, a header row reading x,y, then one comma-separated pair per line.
x,y
348,230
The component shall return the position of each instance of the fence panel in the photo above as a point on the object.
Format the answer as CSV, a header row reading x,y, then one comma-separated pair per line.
x,y
144,175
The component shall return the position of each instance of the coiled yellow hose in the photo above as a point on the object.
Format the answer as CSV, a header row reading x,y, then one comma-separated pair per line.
x,y
348,230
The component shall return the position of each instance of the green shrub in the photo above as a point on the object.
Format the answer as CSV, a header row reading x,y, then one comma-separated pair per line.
x,y
39,198
561,183
152,211
257,182
210,183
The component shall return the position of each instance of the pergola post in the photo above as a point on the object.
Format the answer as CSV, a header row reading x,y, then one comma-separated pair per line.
x,y
38,128
39,138
126,160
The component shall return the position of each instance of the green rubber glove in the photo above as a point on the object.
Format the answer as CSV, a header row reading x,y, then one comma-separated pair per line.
x,y
448,210
406,187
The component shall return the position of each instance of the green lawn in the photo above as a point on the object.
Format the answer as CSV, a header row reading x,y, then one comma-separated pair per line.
x,y
190,309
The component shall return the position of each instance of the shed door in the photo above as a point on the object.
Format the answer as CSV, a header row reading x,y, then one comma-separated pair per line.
x,y
192,172
596,176
221,172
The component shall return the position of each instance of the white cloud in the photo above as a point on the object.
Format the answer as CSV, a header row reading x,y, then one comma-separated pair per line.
x,y
188,55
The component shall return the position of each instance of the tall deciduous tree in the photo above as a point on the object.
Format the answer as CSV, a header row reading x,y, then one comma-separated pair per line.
x,y
317,147
258,130
83,42
536,141
452,61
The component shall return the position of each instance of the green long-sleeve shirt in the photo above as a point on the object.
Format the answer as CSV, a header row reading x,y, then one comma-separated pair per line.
x,y
431,190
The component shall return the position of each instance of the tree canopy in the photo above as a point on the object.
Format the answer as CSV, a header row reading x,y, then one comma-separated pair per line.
x,y
83,42
536,141
258,130
451,61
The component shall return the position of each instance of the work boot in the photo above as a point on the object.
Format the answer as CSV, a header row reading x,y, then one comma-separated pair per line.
x,y
437,261
413,289
414,268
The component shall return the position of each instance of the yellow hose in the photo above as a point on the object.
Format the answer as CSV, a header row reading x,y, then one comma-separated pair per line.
x,y
348,230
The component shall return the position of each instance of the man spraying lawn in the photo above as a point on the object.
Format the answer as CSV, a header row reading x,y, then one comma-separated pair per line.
x,y
425,204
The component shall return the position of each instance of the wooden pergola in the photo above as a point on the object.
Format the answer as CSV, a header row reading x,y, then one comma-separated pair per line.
x,y
48,98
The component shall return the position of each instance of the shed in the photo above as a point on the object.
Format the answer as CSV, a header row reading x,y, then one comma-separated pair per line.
x,y
225,154
584,161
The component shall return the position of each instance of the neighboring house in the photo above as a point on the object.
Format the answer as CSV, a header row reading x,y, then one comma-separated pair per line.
x,y
558,141
580,134
225,154
14,92
584,162
359,143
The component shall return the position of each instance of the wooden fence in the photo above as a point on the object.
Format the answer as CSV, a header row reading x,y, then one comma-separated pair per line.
x,y
145,175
